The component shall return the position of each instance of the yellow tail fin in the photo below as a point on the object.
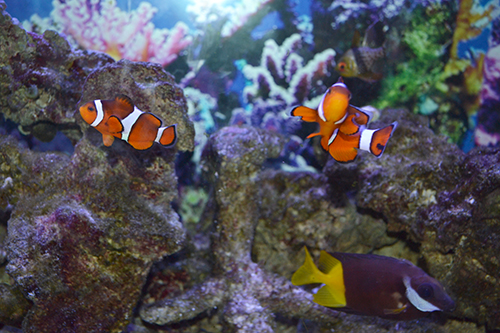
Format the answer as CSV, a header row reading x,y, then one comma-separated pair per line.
x,y
307,273
330,273
328,296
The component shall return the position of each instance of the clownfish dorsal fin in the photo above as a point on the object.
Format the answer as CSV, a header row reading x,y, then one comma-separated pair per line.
x,y
125,102
114,125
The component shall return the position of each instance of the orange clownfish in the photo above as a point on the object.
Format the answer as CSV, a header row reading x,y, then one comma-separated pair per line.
x,y
342,127
120,118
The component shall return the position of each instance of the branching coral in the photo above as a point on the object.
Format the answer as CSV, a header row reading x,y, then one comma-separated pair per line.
x,y
102,26
282,80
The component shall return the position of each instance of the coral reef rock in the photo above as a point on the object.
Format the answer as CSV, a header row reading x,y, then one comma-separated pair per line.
x,y
247,296
84,231
447,203
150,88
41,79
261,220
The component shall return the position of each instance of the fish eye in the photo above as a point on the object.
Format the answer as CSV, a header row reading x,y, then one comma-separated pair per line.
x,y
91,108
425,291
342,66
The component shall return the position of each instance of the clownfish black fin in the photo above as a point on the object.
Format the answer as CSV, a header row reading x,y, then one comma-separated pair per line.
x,y
375,141
167,136
115,125
362,116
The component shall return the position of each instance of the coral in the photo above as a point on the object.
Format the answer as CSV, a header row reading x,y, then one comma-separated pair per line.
x,y
471,20
41,79
85,230
488,118
442,199
234,17
281,81
260,221
248,294
102,26
377,10
283,76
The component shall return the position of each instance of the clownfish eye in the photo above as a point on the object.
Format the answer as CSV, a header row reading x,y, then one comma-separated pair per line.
x,y
425,291
91,109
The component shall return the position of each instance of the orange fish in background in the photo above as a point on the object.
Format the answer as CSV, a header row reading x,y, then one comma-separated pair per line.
x,y
342,126
120,118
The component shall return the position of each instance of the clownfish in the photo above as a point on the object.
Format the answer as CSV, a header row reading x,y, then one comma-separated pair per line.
x,y
361,60
342,127
373,285
120,118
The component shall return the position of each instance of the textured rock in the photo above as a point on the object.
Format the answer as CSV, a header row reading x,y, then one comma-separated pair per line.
x,y
272,214
41,79
85,230
150,88
443,201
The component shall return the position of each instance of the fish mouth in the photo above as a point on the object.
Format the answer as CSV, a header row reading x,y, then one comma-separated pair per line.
x,y
450,306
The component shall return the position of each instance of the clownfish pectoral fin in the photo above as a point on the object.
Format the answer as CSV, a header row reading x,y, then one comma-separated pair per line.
x,y
167,136
107,139
312,135
124,102
362,116
307,114
328,296
375,141
349,126
343,147
114,125
307,273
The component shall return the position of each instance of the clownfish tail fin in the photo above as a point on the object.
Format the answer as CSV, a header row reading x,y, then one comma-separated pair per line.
x,y
307,273
167,136
375,141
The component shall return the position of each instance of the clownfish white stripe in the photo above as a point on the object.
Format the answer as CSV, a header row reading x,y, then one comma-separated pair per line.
x,y
366,139
321,112
334,135
159,134
416,300
341,120
129,121
340,84
100,113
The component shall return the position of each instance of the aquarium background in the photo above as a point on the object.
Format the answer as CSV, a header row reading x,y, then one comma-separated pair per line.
x,y
205,237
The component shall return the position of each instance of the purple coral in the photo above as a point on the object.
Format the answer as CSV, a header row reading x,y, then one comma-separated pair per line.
x,y
102,26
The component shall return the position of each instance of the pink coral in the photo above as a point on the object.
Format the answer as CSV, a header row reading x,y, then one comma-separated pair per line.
x,y
102,26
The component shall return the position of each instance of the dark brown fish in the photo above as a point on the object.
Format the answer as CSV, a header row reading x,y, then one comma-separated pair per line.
x,y
361,60
373,285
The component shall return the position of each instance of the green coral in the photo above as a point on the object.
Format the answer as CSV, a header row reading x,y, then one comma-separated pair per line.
x,y
424,43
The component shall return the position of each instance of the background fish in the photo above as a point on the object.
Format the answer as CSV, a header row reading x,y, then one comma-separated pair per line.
x,y
373,285
361,60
